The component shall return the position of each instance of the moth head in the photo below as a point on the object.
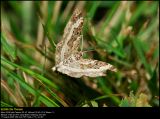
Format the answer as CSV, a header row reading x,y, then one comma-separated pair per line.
x,y
54,68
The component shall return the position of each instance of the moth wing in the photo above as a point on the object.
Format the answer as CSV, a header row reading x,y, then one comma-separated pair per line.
x,y
71,37
84,67
75,16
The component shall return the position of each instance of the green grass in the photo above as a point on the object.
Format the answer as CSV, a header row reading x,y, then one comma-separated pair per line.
x,y
125,34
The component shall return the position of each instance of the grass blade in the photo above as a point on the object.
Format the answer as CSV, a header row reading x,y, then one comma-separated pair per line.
x,y
35,75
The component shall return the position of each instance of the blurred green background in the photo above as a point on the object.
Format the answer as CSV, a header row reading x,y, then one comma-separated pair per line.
x,y
124,34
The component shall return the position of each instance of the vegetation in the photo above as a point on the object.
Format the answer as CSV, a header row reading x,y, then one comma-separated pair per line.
x,y
124,34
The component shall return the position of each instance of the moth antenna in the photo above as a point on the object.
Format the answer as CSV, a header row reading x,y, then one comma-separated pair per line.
x,y
87,51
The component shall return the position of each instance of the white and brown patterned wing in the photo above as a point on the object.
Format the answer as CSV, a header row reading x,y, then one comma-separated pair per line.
x,y
76,66
71,37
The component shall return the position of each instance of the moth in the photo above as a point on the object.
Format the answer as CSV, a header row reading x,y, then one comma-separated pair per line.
x,y
70,61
